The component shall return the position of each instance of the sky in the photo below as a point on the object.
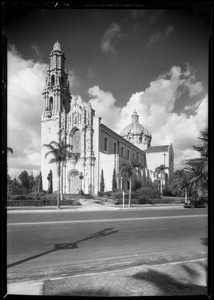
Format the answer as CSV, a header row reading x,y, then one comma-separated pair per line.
x,y
154,61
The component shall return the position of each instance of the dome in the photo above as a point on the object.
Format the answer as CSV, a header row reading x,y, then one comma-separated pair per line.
x,y
57,47
135,128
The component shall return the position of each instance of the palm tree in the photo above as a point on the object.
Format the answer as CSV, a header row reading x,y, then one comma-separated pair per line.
x,y
128,171
181,182
197,168
60,152
160,174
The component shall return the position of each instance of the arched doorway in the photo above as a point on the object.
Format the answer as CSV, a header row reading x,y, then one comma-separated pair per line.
x,y
74,182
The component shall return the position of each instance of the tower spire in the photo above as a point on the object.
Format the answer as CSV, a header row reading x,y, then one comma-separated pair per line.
x,y
56,93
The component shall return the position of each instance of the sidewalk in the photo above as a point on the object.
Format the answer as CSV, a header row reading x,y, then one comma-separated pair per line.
x,y
87,205
176,278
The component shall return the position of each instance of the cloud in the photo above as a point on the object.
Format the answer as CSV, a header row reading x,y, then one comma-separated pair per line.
x,y
155,106
160,36
73,79
36,50
104,105
110,38
26,80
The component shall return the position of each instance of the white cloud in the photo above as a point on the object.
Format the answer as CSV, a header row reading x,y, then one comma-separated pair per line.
x,y
160,36
104,105
110,38
155,106
73,79
26,80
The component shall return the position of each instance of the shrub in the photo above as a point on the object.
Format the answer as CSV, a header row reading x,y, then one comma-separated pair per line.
x,y
41,202
24,203
168,192
145,193
20,197
37,195
117,195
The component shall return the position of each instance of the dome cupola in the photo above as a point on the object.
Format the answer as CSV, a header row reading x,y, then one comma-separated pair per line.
x,y
136,133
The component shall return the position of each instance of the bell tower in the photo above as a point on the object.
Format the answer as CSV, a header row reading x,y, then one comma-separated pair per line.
x,y
56,105
56,93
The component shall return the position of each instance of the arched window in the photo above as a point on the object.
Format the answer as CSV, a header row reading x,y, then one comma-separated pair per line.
x,y
122,153
52,80
51,103
128,154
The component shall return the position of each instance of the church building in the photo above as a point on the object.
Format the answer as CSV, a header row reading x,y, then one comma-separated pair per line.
x,y
96,148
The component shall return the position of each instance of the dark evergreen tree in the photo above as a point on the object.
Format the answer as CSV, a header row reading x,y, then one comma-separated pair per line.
x,y
50,182
114,181
102,183
16,188
24,179
40,187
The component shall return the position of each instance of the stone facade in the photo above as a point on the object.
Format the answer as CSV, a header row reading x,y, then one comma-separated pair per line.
x,y
95,146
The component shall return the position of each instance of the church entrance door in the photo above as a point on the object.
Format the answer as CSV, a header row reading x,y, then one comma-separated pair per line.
x,y
74,182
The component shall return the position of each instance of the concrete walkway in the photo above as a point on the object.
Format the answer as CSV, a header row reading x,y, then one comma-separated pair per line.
x,y
175,278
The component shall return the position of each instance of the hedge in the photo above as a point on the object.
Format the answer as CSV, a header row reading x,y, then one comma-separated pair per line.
x,y
151,201
42,202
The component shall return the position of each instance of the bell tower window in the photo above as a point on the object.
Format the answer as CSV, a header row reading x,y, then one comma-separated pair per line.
x,y
52,80
51,103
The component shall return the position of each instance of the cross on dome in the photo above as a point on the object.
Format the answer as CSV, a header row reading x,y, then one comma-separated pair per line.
x,y
135,117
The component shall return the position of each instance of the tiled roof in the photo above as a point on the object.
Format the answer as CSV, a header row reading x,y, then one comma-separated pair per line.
x,y
163,148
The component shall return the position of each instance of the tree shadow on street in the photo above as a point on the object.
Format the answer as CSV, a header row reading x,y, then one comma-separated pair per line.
x,y
69,246
168,285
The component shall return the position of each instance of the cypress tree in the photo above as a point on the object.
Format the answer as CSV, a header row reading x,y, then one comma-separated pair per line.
x,y
114,181
51,183
102,184
40,182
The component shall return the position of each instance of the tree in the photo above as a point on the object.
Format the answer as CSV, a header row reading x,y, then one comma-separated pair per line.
x,y
50,179
102,183
114,181
40,187
24,178
180,182
160,174
197,168
16,188
59,152
129,171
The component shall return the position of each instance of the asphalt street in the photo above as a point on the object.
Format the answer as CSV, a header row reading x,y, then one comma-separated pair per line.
x,y
47,244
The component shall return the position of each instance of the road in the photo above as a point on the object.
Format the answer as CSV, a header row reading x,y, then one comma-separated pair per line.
x,y
58,243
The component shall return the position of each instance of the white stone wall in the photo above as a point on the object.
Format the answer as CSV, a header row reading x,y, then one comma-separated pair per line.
x,y
49,133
